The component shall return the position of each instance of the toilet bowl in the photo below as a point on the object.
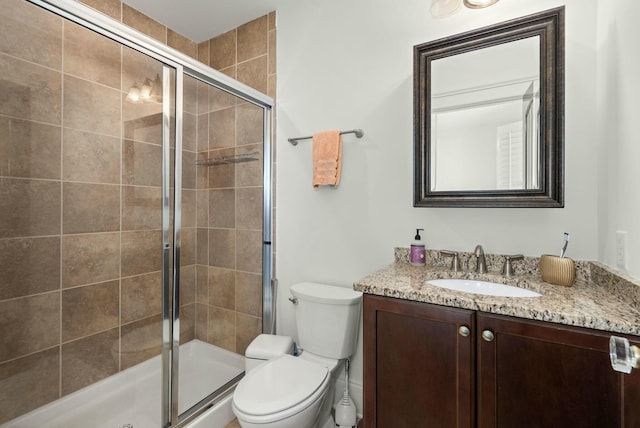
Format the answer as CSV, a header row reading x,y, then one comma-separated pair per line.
x,y
280,390
285,392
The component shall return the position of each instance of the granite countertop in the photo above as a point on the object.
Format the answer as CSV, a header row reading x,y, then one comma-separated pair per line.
x,y
601,298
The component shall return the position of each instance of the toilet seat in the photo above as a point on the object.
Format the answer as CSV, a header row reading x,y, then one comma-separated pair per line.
x,y
280,388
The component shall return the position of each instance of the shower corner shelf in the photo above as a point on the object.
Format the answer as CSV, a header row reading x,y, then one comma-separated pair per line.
x,y
226,160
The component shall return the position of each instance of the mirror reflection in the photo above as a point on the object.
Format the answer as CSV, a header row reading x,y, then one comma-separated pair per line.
x,y
485,108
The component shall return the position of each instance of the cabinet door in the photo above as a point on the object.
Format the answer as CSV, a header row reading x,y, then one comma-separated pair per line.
x,y
418,368
543,375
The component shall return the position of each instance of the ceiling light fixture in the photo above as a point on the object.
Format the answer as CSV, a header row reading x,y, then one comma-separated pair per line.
x,y
444,8
149,91
479,4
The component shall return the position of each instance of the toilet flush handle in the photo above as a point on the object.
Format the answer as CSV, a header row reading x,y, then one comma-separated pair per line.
x,y
293,300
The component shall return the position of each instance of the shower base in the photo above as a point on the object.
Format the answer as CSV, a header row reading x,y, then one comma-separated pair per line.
x,y
131,398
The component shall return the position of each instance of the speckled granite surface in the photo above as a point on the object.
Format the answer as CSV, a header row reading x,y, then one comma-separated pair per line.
x,y
600,298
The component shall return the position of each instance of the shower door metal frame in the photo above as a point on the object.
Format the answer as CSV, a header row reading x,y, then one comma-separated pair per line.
x,y
183,65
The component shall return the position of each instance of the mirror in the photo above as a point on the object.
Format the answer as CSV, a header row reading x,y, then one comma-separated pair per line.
x,y
489,116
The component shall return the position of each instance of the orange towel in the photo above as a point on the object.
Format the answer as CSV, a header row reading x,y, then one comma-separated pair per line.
x,y
327,158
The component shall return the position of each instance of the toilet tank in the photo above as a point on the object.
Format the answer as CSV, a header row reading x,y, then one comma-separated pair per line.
x,y
327,318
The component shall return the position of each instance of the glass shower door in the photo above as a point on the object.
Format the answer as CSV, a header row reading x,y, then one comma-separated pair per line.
x,y
221,245
81,222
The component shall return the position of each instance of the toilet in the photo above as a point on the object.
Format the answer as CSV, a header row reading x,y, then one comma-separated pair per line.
x,y
281,390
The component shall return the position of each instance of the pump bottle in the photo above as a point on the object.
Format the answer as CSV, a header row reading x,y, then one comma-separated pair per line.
x,y
417,255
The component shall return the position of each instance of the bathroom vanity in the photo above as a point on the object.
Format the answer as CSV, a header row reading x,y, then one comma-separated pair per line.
x,y
439,358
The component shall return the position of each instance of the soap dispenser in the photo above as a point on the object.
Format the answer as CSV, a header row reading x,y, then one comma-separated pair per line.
x,y
417,255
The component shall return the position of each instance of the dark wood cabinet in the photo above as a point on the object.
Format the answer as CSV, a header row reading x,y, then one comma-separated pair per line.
x,y
550,375
421,371
418,368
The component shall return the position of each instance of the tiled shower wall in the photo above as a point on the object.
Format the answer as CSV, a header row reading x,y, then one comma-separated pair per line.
x,y
80,209
229,281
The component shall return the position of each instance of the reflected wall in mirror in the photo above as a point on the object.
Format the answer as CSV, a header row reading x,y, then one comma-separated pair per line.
x,y
489,116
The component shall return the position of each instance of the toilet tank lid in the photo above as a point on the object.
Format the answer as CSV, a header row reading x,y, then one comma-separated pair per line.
x,y
322,293
268,346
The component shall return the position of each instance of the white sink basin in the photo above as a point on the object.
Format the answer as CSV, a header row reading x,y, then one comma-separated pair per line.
x,y
483,287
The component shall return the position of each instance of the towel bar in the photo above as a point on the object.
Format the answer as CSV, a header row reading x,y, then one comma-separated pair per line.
x,y
359,133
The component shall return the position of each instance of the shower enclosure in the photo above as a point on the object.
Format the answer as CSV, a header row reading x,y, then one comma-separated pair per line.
x,y
135,223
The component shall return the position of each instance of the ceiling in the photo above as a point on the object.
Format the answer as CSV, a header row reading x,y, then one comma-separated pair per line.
x,y
200,20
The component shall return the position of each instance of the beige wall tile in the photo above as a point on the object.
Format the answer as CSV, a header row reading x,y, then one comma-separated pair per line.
x,y
143,122
272,20
29,91
91,107
247,329
222,248
88,360
112,8
29,324
202,322
254,73
249,250
222,328
272,60
141,296
252,38
249,208
189,132
31,33
272,86
222,128
89,309
190,97
91,56
230,71
202,200
189,207
188,246
141,252
137,67
222,288
29,208
222,50
222,208
203,97
90,157
222,176
90,208
202,137
181,43
202,246
28,383
249,293
187,323
29,266
189,178
90,258
29,149
187,284
219,99
143,23
202,284
250,124
141,164
141,208
203,52
250,173
140,341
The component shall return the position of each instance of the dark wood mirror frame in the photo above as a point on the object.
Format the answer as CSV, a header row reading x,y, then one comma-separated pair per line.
x,y
549,25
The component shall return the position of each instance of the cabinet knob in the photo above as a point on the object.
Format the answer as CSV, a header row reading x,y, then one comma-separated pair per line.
x,y
624,357
487,335
464,331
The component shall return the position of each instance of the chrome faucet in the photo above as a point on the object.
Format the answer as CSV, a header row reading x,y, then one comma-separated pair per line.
x,y
481,263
